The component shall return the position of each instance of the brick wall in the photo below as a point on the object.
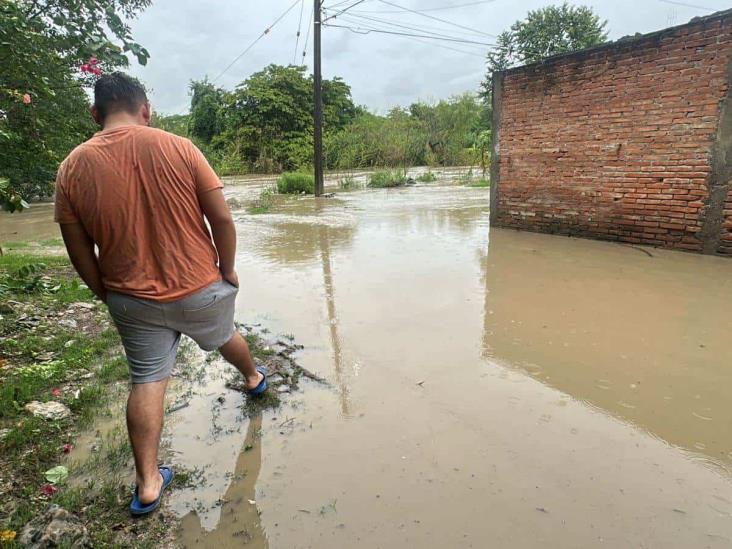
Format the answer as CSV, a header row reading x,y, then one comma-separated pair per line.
x,y
628,141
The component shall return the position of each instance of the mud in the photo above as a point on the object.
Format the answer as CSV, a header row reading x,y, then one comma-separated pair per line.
x,y
487,389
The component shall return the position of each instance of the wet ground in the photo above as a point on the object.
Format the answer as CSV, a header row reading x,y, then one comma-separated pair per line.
x,y
496,388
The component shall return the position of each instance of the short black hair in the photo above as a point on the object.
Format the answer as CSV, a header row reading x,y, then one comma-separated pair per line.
x,y
117,92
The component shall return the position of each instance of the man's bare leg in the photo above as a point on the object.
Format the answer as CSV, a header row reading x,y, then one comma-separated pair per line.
x,y
144,425
236,352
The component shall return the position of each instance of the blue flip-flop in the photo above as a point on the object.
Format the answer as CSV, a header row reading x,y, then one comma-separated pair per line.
x,y
262,387
137,508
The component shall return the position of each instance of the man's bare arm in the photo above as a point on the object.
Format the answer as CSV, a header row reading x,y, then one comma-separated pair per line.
x,y
81,252
217,212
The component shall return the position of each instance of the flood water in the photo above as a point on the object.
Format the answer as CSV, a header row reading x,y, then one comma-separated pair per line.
x,y
489,388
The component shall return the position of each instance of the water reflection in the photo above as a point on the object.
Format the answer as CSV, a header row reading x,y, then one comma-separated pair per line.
x,y
335,340
645,338
240,523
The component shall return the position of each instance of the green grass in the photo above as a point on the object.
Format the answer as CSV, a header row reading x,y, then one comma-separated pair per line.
x,y
47,361
427,177
387,178
480,183
296,183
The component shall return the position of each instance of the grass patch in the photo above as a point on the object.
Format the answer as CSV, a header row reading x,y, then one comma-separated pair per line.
x,y
427,177
296,183
51,350
387,178
480,183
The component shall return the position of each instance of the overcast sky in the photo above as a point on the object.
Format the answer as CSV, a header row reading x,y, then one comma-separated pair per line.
x,y
189,39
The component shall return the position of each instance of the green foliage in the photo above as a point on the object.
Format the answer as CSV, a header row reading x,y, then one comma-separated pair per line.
x,y
296,183
480,183
27,279
265,124
11,200
439,134
42,100
206,117
264,202
173,123
387,178
545,32
427,177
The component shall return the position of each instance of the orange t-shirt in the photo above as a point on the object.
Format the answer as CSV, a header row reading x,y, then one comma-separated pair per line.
x,y
135,191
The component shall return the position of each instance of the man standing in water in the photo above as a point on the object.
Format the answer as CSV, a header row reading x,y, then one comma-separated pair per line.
x,y
140,195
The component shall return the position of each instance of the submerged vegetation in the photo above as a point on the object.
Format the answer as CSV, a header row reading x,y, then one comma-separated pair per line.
x,y
296,183
427,177
387,178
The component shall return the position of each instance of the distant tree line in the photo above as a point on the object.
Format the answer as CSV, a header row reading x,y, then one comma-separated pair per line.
x,y
265,125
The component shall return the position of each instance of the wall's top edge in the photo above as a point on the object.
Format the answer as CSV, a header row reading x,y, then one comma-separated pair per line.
x,y
622,44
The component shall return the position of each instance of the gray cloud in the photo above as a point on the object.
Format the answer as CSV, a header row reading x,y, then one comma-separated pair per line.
x,y
189,39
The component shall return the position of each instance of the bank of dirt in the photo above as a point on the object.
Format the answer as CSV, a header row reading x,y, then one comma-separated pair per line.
x,y
67,472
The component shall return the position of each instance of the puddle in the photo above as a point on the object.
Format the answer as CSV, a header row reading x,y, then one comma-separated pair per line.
x,y
505,389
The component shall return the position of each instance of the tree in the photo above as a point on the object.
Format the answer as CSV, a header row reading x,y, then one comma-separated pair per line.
x,y
545,32
205,119
266,123
43,106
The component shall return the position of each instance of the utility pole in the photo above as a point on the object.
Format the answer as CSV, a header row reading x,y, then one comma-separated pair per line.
x,y
318,113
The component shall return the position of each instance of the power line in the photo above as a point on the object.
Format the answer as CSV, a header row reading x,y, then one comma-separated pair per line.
x,y
359,20
265,32
307,36
705,8
299,28
351,17
436,18
361,30
337,4
444,47
344,10
444,8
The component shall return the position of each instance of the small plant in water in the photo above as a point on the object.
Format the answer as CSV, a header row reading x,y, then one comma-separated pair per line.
x,y
387,178
427,177
264,202
296,183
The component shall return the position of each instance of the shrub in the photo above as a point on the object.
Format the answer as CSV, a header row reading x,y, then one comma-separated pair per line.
x,y
296,183
427,177
387,178
262,204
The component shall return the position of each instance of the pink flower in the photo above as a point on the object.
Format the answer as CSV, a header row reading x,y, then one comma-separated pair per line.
x,y
85,68
67,448
26,98
93,61
48,490
56,392
97,71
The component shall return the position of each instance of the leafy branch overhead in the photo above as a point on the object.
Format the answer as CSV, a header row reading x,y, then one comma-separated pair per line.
x,y
43,46
545,32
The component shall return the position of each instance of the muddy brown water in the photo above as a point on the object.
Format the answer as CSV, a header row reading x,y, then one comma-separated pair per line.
x,y
489,388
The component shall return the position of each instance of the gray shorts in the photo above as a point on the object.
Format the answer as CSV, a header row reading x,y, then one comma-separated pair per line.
x,y
151,330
